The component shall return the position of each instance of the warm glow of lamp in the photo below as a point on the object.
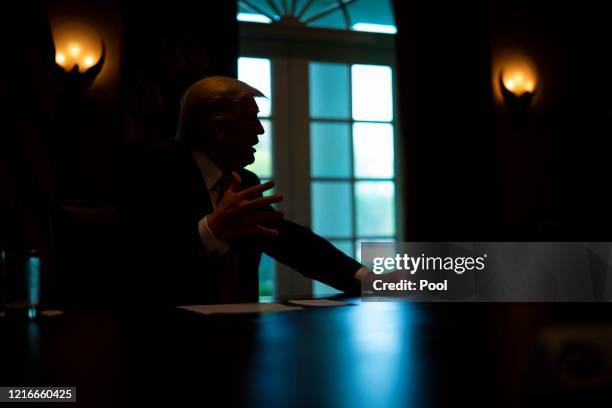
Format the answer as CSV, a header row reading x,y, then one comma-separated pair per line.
x,y
515,73
518,81
88,62
75,50
79,55
516,85
76,45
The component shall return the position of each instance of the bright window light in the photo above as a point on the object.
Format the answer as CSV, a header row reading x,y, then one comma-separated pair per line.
x,y
257,73
373,147
263,155
374,28
253,18
372,93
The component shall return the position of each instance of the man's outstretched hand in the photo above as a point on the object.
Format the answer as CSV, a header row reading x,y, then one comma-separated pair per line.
x,y
240,212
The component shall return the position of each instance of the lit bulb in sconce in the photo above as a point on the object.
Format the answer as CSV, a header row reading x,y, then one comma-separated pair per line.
x,y
518,82
88,61
75,56
60,59
75,50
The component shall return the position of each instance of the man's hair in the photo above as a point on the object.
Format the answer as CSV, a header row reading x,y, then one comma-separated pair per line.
x,y
207,99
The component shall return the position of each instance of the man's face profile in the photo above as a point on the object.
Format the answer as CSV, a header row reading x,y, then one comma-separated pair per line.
x,y
239,132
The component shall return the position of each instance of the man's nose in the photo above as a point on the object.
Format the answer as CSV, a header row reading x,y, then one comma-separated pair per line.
x,y
260,129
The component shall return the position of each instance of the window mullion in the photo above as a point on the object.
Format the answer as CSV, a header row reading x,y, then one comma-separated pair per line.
x,y
300,140
352,160
292,158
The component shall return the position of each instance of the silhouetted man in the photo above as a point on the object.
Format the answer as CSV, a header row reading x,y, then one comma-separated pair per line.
x,y
198,220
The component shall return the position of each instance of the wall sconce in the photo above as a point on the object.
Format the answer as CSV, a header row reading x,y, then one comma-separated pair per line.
x,y
78,60
518,86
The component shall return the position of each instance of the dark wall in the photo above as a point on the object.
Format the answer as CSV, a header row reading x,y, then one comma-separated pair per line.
x,y
447,120
169,46
472,173
59,147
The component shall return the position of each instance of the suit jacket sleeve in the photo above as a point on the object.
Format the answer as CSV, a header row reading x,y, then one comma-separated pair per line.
x,y
313,256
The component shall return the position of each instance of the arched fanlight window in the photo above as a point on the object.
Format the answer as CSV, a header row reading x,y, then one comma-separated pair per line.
x,y
356,15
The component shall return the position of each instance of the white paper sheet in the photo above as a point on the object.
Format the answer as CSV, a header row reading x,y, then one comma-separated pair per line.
x,y
239,308
51,313
318,302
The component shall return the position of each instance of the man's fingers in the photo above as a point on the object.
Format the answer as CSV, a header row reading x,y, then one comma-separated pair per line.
x,y
236,180
263,201
257,188
269,216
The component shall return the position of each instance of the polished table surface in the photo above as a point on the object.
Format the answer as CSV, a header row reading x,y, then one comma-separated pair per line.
x,y
367,354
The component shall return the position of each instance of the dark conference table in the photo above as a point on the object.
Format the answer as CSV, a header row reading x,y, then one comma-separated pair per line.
x,y
368,354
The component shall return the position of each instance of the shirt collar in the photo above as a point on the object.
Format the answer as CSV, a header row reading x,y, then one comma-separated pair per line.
x,y
210,171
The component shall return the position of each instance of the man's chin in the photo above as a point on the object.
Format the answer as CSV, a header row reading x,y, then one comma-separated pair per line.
x,y
247,161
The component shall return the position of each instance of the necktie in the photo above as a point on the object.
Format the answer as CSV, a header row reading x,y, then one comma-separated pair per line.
x,y
220,187
229,279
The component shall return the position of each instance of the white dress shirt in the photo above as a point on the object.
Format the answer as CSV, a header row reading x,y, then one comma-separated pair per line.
x,y
211,174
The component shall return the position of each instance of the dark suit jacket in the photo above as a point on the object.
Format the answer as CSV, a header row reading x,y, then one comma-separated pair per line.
x,y
164,198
